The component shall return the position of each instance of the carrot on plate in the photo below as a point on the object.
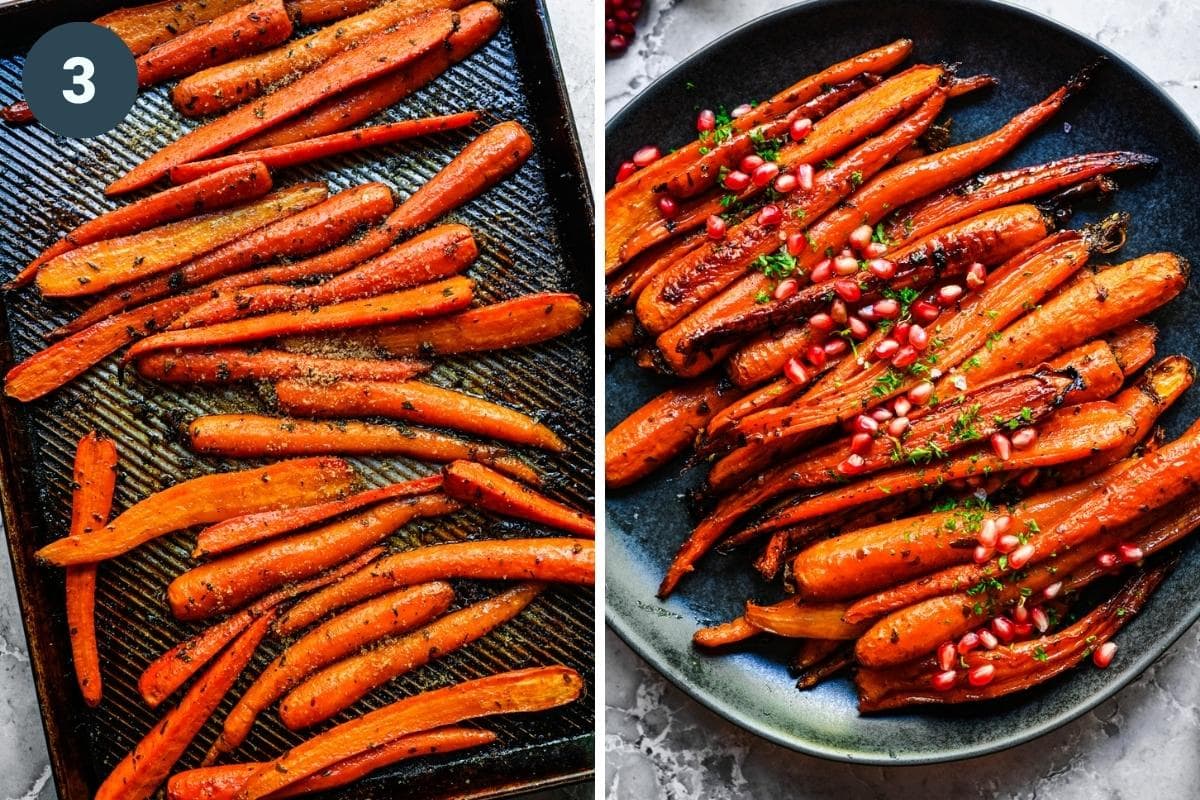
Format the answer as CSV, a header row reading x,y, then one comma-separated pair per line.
x,y
474,483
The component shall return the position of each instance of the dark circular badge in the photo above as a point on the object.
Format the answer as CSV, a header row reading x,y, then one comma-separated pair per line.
x,y
80,80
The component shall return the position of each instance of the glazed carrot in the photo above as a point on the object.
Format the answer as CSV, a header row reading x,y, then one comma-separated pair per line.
x,y
378,56
100,265
227,782
95,474
415,402
522,321
224,366
229,186
764,358
477,23
527,690
795,619
247,529
340,685
150,762
209,498
565,560
475,484
246,29
622,333
725,634
142,27
388,615
174,667
234,579
227,85
1133,345
429,300
661,429
48,369
439,253
626,287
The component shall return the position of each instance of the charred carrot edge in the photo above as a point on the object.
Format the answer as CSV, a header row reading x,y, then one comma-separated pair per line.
x,y
98,266
340,685
519,322
150,762
209,498
796,619
342,636
229,186
477,23
226,85
561,560
452,294
535,689
237,578
379,56
227,782
244,30
228,365
289,155
415,402
95,474
725,634
143,27
177,665
247,529
477,485
322,224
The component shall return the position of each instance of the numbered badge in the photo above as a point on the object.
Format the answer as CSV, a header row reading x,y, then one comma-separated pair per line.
x,y
80,80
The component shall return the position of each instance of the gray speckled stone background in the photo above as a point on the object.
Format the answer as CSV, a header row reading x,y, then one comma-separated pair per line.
x,y
1141,744
24,766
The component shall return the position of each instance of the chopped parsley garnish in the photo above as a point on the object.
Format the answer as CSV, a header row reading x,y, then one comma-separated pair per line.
x,y
780,264
888,382
1039,653
767,149
856,178
762,297
964,428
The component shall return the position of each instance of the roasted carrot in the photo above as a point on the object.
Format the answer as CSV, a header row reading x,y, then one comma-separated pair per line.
x,y
100,265
246,29
151,761
475,484
340,685
621,333
229,186
232,580
95,474
534,689
378,56
310,12
343,636
209,498
567,560
764,358
525,320
174,667
229,365
799,620
725,634
1133,345
626,287
247,529
477,23
142,27
429,300
289,155
661,429
227,782
227,85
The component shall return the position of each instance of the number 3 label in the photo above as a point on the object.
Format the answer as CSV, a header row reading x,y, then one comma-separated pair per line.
x,y
84,90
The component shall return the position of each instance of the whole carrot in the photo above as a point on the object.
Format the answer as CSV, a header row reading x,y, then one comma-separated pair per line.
x,y
477,485
347,633
150,762
95,474
229,365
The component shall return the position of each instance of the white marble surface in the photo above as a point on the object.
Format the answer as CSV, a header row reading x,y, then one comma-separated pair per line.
x,y
1141,744
24,766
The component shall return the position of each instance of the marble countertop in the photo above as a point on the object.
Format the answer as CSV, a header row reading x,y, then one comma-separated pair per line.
x,y
24,765
1140,744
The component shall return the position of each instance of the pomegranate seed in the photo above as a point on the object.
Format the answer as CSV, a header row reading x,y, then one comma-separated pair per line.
x,y
860,237
804,173
882,268
646,156
946,656
750,163
845,265
875,250
944,681
1003,523
982,554
848,290
835,347
1041,620
858,329
626,170
867,313
815,354
967,643
715,226
823,270
786,183
981,675
925,312
821,322
897,427
1023,629
901,406
706,120
852,465
770,215
905,358
861,443
881,414
976,276
886,349
839,312
1103,654
741,111
800,128
763,174
618,43
900,332
1027,478
987,533
668,207
1020,557
887,309
988,639
948,295
865,424
1007,543
1051,591
918,338
1130,553
1023,438
921,393
1001,446
786,288
736,180
795,371
1003,628
796,243
1020,613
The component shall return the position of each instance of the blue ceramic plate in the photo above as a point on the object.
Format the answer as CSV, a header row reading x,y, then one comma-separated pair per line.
x,y
1031,56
